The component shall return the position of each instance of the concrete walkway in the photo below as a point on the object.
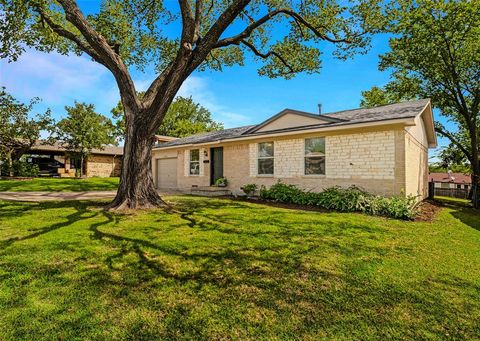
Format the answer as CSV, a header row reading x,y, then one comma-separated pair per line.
x,y
62,196
56,196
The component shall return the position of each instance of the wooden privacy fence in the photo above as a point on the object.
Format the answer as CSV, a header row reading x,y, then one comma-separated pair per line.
x,y
460,193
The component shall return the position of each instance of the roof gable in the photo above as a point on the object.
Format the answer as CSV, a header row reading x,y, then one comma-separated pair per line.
x,y
400,113
289,118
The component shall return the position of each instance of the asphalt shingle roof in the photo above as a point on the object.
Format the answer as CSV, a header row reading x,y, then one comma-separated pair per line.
x,y
384,112
42,146
207,137
456,178
355,116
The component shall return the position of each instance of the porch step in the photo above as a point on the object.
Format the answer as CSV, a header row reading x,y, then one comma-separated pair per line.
x,y
210,191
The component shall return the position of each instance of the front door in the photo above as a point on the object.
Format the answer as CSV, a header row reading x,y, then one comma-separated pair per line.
x,y
216,164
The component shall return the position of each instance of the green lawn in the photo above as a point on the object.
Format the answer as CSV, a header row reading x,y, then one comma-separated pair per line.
x,y
59,185
234,270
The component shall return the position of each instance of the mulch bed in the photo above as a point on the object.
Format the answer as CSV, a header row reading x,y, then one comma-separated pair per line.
x,y
278,204
427,211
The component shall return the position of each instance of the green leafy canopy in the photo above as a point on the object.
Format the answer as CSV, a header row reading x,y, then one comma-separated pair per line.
x,y
18,128
435,53
184,117
83,129
143,32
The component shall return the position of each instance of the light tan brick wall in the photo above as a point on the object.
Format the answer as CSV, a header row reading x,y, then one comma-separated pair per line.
x,y
400,169
362,159
361,156
289,158
375,161
416,172
103,166
416,159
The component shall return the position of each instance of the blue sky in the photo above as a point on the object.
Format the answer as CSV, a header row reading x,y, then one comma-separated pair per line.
x,y
237,96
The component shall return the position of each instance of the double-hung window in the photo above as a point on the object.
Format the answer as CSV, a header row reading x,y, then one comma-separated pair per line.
x,y
265,158
315,156
194,162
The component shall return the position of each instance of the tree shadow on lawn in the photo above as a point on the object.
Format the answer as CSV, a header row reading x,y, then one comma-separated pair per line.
x,y
463,212
289,280
282,285
55,184
78,214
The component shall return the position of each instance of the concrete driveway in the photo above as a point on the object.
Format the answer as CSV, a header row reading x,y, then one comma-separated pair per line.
x,y
61,196
56,196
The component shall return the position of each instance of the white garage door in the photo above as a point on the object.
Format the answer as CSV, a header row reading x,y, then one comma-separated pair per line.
x,y
167,173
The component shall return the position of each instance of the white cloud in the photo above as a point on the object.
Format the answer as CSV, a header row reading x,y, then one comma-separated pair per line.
x,y
197,88
59,80
55,77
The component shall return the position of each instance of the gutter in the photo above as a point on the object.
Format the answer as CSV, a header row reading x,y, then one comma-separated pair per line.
x,y
409,121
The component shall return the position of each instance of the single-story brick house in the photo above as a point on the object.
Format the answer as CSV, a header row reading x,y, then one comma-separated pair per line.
x,y
383,150
451,180
104,162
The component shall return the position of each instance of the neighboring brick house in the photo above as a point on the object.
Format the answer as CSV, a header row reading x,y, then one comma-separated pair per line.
x,y
383,150
104,162
451,180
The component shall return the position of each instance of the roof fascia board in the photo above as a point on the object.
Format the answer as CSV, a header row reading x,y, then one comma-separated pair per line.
x,y
409,121
294,112
432,136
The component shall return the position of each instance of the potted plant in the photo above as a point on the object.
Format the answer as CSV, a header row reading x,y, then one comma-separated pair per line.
x,y
221,182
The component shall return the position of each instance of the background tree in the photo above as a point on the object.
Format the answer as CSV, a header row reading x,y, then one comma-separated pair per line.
x,y
18,129
184,117
435,53
451,158
179,38
83,130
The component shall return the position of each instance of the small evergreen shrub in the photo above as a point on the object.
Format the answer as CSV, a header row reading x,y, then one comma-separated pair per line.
x,y
351,199
249,189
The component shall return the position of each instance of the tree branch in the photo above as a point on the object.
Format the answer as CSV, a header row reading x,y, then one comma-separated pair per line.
x,y
101,46
223,21
188,24
63,32
156,84
160,94
256,24
198,19
267,55
452,138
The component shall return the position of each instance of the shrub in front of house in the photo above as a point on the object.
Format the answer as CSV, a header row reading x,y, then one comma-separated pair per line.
x,y
19,168
249,189
351,199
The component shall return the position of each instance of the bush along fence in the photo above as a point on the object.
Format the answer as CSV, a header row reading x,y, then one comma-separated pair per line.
x,y
352,199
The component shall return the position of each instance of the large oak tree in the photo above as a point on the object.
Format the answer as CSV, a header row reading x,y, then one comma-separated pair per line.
x,y
435,53
179,38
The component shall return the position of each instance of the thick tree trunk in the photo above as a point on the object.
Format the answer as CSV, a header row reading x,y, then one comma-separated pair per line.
x,y
475,163
136,189
10,165
475,177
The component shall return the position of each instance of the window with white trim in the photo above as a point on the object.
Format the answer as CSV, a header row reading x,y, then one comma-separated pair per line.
x,y
315,156
265,158
194,162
